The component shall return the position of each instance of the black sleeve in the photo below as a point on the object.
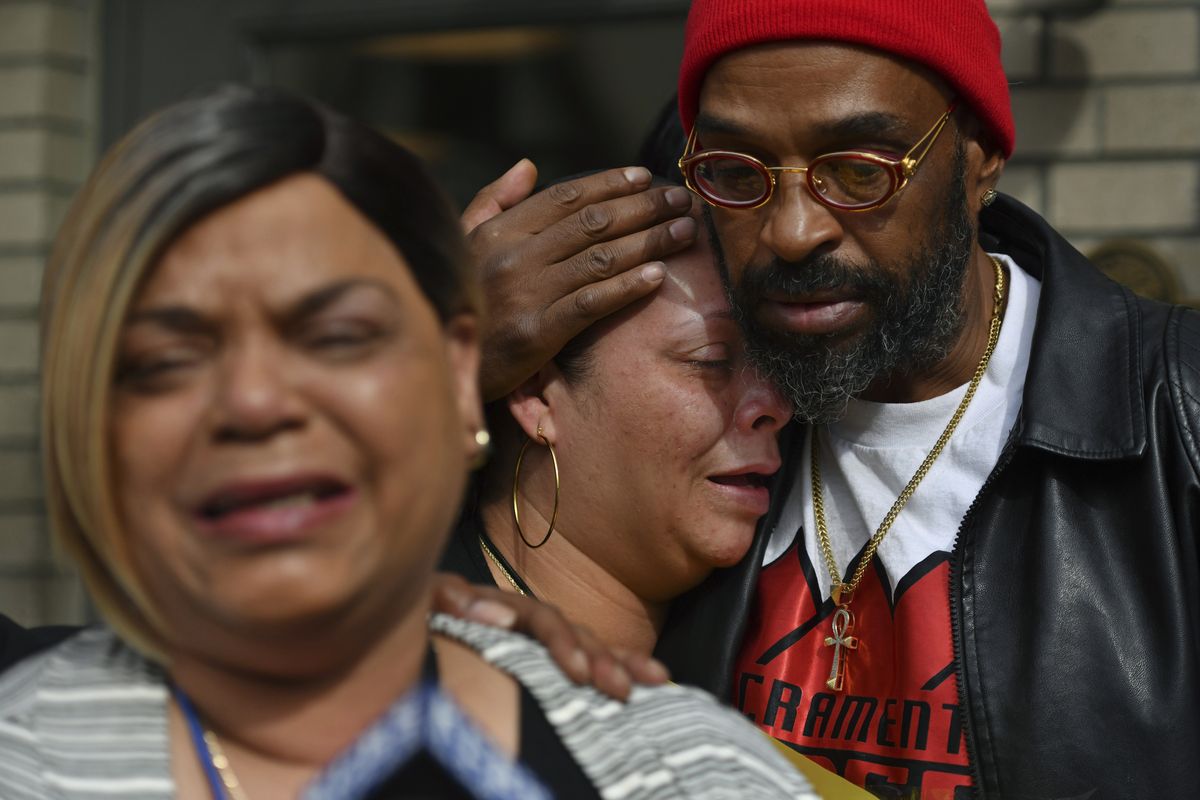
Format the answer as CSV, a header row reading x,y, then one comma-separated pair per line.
x,y
17,642
1183,373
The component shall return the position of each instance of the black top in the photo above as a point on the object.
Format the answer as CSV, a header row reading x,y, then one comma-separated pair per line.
x,y
464,555
540,749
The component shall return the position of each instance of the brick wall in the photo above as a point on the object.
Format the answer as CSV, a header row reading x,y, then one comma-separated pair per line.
x,y
1107,102
47,113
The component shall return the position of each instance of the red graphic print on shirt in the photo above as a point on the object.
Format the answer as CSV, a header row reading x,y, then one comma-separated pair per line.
x,y
895,728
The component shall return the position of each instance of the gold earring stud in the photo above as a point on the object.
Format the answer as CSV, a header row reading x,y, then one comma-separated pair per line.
x,y
484,440
989,197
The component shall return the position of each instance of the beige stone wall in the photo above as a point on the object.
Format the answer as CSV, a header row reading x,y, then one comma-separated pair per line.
x,y
48,74
1107,102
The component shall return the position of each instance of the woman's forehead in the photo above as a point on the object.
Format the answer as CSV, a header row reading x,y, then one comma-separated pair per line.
x,y
693,280
279,240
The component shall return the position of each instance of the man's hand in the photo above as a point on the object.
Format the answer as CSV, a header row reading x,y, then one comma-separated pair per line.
x,y
578,653
500,195
554,263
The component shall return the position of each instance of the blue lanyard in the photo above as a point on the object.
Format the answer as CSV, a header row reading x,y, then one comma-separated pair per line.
x,y
203,756
424,719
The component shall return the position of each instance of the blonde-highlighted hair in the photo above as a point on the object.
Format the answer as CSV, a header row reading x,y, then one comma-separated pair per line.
x,y
174,168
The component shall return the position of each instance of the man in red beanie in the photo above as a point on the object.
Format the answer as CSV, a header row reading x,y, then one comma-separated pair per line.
x,y
981,572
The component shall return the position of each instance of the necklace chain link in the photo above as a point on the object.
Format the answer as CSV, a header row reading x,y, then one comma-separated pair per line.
x,y
844,590
487,551
216,755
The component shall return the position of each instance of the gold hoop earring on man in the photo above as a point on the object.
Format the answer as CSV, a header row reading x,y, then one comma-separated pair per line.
x,y
516,482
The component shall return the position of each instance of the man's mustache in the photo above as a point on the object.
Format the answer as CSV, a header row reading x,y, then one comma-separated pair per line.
x,y
819,273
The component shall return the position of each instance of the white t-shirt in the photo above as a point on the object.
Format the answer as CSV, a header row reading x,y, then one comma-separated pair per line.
x,y
872,452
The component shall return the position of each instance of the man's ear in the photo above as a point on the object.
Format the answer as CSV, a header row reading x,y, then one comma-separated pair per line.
x,y
985,164
533,404
462,353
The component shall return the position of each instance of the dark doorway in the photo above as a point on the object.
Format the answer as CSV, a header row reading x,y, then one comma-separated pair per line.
x,y
471,86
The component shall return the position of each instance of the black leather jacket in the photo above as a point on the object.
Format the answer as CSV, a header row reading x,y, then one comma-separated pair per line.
x,y
1075,585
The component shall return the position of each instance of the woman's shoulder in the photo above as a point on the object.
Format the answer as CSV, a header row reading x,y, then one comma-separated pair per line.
x,y
88,661
664,736
87,715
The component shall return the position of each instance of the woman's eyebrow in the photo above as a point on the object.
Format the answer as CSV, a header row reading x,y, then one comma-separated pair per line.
x,y
316,301
184,319
175,318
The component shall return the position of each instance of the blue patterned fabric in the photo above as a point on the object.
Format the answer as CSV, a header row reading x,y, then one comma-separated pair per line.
x,y
425,720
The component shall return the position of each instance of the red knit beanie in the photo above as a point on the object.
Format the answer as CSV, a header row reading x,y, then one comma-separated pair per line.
x,y
954,38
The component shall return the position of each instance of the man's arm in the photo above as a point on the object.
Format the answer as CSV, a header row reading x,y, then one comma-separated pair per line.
x,y
554,263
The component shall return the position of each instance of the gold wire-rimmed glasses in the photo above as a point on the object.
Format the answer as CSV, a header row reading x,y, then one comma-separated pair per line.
x,y
848,180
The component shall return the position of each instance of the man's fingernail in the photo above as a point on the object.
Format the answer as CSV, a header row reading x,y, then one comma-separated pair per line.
x,y
656,671
682,229
489,612
678,197
654,272
578,663
637,175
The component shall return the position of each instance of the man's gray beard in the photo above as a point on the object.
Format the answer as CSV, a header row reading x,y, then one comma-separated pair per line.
x,y
913,325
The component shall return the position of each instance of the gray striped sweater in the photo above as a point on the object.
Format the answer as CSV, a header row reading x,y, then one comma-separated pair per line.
x,y
88,720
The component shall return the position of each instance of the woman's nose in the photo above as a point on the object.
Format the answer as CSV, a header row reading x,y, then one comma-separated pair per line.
x,y
255,397
763,406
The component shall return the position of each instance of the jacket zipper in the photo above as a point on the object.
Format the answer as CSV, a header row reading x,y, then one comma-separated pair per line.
x,y
956,624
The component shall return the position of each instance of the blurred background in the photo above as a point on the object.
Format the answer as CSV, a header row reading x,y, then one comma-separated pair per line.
x,y
1106,95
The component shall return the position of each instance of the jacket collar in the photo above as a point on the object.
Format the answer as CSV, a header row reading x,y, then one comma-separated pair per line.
x,y
1083,394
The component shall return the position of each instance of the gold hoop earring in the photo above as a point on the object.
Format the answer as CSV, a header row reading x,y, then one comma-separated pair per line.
x,y
557,487
989,197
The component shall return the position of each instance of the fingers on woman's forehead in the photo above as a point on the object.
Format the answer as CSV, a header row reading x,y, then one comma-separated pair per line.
x,y
607,221
615,272
559,201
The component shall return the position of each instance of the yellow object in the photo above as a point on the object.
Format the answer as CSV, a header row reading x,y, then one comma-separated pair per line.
x,y
829,785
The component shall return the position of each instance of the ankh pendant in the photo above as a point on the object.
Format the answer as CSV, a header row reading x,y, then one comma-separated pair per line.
x,y
840,641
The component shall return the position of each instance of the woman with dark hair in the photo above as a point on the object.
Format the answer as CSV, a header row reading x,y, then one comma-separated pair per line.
x,y
260,404
631,466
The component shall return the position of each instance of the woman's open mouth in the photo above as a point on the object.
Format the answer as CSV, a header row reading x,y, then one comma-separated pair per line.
x,y
748,490
274,510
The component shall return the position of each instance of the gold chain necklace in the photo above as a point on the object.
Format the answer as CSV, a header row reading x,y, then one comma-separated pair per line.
x,y
216,754
843,591
487,551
